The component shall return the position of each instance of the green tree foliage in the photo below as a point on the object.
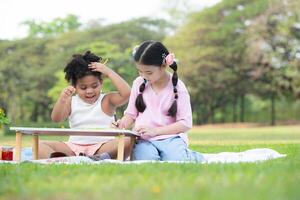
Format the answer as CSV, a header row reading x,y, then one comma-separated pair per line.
x,y
213,47
31,69
127,33
273,46
3,118
24,78
53,28
233,57
56,90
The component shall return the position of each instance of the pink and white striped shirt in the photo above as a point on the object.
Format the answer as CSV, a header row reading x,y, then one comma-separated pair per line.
x,y
157,106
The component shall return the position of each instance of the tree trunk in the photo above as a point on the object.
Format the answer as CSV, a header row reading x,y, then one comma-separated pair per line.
x,y
234,112
205,115
199,119
273,111
4,106
212,114
13,109
242,108
45,111
34,114
223,110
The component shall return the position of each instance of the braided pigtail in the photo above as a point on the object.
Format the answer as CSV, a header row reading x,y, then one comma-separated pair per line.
x,y
139,102
152,53
173,109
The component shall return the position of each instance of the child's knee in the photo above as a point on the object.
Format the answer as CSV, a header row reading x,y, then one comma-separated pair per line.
x,y
137,155
144,151
42,144
182,156
43,150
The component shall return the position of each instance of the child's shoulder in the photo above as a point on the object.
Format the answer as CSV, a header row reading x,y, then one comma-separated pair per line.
x,y
139,80
75,98
181,86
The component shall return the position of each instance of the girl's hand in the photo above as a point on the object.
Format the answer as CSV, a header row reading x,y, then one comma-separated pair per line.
x,y
67,93
123,123
115,124
146,132
99,67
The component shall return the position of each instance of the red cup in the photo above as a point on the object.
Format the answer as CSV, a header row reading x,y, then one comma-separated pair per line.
x,y
7,153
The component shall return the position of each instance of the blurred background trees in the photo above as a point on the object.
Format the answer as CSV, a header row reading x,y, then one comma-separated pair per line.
x,y
239,60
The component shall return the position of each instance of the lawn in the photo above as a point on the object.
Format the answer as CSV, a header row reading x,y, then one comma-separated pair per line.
x,y
274,179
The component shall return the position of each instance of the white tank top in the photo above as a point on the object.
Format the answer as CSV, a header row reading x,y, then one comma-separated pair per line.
x,y
85,115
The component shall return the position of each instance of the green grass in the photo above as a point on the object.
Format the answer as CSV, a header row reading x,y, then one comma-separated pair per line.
x,y
274,179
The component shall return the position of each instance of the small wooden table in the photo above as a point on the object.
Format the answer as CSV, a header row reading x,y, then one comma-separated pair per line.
x,y
36,132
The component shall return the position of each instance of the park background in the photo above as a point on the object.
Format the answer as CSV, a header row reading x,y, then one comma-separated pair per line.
x,y
239,59
240,62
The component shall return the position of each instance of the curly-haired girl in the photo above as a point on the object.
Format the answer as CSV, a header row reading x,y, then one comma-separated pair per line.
x,y
88,108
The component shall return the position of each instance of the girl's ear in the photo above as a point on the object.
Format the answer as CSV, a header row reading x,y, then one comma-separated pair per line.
x,y
163,67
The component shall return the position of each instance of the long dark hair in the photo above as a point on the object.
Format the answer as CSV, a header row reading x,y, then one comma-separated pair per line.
x,y
78,67
154,53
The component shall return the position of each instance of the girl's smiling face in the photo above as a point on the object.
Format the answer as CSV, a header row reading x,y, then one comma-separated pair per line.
x,y
88,88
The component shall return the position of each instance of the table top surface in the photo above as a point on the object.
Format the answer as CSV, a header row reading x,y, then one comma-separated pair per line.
x,y
69,131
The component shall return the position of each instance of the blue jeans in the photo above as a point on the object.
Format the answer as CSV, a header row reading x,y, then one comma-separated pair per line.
x,y
170,149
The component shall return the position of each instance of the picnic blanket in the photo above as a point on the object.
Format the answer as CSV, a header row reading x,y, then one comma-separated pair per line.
x,y
252,155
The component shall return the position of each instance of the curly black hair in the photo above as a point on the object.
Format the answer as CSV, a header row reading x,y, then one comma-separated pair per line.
x,y
78,67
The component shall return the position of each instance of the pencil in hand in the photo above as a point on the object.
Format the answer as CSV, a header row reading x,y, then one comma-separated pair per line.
x,y
115,122
105,61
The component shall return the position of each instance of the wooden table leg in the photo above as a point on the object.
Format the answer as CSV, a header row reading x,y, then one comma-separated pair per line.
x,y
18,146
35,147
132,143
121,147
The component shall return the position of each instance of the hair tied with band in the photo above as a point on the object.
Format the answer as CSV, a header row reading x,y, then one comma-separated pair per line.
x,y
170,59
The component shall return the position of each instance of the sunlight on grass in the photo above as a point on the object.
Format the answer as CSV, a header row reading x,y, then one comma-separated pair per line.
x,y
241,142
239,136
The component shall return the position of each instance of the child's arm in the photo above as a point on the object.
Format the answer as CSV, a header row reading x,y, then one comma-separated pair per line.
x,y
62,107
175,128
115,98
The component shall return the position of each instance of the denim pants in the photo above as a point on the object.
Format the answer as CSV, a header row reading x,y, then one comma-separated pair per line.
x,y
170,149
